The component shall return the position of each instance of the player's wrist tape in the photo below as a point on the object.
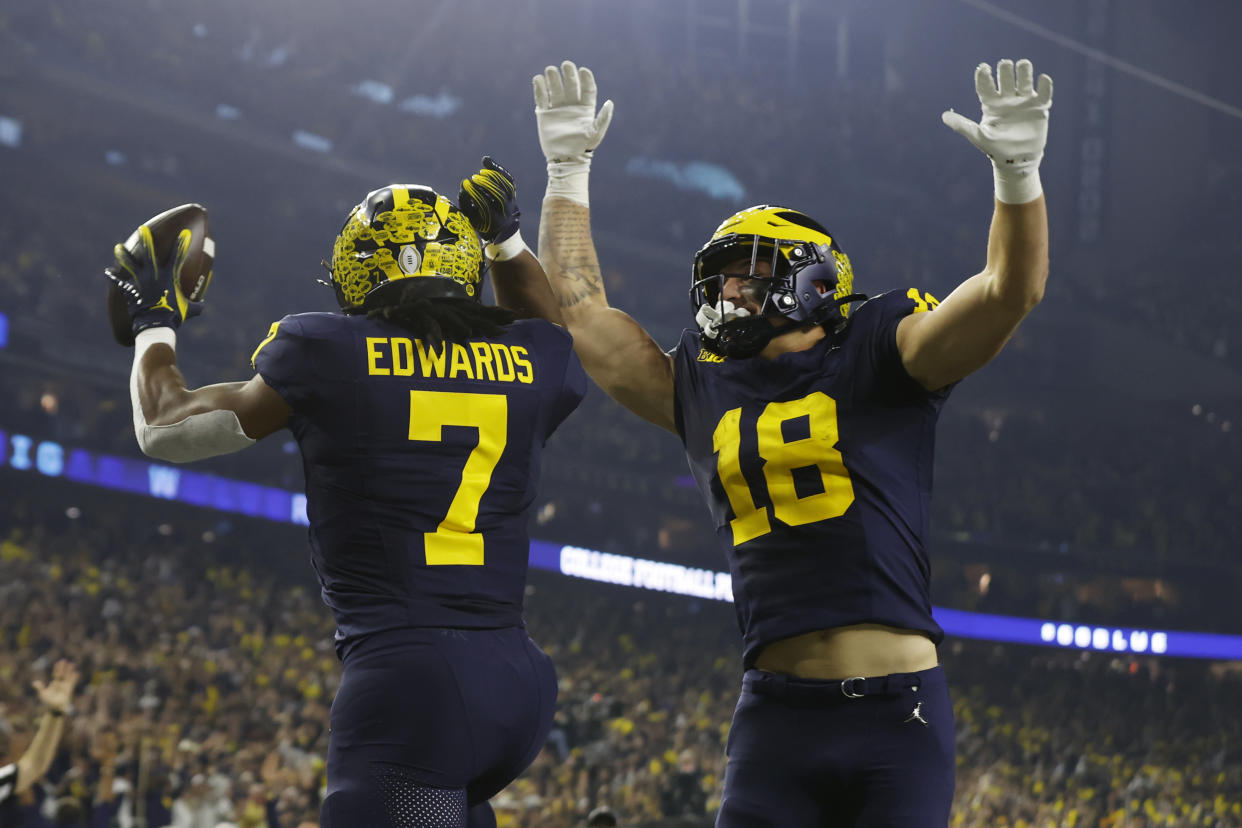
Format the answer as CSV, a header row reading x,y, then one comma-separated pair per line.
x,y
196,437
1017,186
507,249
569,179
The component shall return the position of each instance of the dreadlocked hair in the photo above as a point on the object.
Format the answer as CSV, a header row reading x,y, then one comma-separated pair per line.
x,y
442,319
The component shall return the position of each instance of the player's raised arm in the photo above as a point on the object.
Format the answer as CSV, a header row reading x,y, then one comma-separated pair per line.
x,y
975,321
489,200
172,422
615,350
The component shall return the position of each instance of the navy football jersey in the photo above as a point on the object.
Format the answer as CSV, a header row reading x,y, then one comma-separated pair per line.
x,y
817,469
421,463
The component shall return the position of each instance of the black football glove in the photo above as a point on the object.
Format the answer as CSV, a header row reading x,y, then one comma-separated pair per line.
x,y
489,200
152,289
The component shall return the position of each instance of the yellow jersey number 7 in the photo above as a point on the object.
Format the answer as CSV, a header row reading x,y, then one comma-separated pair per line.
x,y
780,458
455,541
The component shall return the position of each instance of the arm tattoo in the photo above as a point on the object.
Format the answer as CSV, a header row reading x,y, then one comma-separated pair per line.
x,y
573,266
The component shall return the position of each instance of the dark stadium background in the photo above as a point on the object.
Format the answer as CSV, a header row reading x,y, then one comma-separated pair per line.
x,y
1089,476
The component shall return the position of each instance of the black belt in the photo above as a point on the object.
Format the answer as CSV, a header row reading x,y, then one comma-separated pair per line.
x,y
826,690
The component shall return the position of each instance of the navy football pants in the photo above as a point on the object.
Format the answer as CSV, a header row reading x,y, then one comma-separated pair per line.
x,y
428,724
804,754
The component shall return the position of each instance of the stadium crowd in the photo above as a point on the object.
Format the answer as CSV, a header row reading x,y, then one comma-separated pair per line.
x,y
208,672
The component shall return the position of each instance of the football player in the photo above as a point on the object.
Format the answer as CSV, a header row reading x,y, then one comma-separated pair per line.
x,y
421,415
808,418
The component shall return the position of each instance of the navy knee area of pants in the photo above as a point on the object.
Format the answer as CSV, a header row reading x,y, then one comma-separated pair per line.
x,y
396,802
403,804
443,710
870,753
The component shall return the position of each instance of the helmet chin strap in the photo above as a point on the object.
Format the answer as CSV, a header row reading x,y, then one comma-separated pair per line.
x,y
731,331
827,316
711,317
741,338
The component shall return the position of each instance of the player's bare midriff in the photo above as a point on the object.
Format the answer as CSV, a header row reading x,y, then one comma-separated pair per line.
x,y
844,652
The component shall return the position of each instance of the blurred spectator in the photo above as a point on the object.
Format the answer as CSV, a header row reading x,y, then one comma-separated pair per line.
x,y
19,777
681,793
199,806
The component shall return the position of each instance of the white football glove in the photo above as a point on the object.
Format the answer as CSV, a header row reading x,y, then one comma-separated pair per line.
x,y
569,127
1013,129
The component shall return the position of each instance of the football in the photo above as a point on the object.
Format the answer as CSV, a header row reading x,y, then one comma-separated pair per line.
x,y
195,273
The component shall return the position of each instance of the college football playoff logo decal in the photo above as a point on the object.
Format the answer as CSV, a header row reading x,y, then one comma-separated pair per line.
x,y
410,259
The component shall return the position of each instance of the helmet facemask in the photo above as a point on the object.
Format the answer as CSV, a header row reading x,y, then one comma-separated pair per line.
x,y
739,329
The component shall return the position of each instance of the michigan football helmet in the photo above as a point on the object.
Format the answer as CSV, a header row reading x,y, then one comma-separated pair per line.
x,y
811,281
404,231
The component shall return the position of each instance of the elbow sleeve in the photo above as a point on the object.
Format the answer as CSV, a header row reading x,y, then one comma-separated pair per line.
x,y
196,437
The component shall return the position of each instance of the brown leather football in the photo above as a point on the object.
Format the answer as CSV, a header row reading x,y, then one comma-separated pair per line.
x,y
195,273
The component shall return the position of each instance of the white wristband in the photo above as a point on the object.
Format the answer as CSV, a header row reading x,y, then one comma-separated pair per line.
x,y
152,336
507,249
569,179
1017,186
